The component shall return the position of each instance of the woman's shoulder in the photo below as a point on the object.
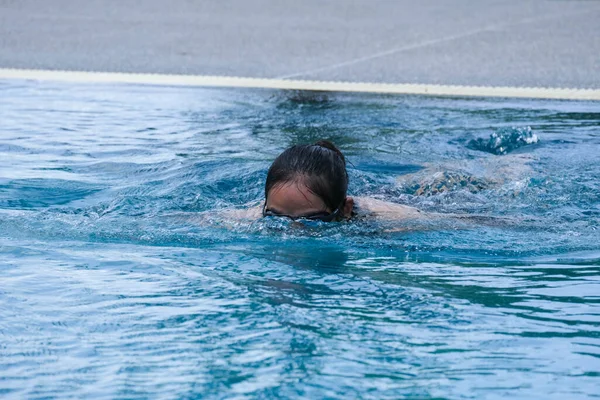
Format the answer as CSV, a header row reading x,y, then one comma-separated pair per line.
x,y
368,206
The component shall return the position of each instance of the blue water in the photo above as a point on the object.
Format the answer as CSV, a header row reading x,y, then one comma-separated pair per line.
x,y
120,276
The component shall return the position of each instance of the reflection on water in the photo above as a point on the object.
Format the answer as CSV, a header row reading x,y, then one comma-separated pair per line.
x,y
121,278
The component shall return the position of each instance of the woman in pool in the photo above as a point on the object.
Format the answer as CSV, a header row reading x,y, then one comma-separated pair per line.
x,y
311,182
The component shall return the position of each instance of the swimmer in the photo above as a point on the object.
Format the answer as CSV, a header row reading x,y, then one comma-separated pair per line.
x,y
310,182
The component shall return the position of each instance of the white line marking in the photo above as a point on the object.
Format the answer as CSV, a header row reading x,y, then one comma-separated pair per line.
x,y
430,42
384,53
240,82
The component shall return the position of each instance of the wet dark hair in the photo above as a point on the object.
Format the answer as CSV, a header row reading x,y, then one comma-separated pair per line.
x,y
321,167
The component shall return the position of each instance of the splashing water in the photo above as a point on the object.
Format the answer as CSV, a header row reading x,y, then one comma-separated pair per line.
x,y
505,140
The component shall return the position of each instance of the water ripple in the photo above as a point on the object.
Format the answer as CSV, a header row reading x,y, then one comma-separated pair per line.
x,y
122,277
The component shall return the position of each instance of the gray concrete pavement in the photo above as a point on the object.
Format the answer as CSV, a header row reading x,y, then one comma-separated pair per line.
x,y
553,43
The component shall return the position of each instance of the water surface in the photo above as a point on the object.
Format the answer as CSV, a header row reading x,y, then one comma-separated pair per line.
x,y
121,279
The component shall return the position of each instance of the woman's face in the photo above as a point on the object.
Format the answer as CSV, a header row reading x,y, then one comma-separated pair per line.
x,y
295,200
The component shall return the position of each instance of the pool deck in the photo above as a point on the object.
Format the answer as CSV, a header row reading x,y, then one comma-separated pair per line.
x,y
516,43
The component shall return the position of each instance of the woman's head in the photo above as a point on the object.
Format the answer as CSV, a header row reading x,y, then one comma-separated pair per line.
x,y
309,180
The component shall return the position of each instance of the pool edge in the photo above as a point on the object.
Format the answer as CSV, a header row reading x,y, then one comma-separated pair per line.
x,y
291,84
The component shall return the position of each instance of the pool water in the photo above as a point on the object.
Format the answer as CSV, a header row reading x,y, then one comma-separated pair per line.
x,y
121,277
